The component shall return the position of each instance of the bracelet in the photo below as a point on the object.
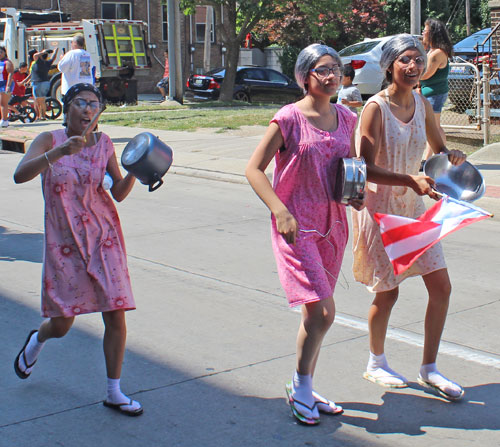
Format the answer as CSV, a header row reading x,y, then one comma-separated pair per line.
x,y
48,161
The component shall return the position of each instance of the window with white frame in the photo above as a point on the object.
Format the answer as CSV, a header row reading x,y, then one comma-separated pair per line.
x,y
116,10
164,22
200,24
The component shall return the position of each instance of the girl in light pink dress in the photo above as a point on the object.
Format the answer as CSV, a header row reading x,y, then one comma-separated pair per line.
x,y
85,263
309,229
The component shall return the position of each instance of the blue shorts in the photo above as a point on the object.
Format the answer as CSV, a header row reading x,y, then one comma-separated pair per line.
x,y
163,83
3,84
437,102
41,89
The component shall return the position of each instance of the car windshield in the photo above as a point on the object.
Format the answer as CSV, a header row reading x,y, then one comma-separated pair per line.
x,y
359,48
216,72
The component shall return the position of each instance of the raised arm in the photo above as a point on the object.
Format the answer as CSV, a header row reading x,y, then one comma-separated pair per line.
x,y
121,185
41,155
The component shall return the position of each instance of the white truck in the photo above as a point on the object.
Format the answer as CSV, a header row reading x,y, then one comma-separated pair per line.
x,y
118,48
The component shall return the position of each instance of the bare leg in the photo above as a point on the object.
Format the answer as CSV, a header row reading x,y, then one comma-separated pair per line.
x,y
56,327
163,92
4,105
115,336
378,319
316,320
439,288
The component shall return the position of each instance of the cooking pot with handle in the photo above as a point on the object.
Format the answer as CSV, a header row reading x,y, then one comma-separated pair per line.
x,y
147,158
350,179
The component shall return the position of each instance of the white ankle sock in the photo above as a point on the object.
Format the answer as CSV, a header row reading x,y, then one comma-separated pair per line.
x,y
302,392
378,368
376,361
430,373
115,395
31,351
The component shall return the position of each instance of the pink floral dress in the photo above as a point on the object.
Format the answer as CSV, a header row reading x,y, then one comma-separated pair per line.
x,y
304,177
85,264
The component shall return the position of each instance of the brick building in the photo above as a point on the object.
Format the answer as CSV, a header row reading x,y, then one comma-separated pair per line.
x,y
153,12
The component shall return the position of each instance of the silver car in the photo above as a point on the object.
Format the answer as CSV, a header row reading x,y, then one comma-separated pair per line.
x,y
364,57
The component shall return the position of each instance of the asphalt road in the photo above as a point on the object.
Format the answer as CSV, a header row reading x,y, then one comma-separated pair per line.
x,y
212,341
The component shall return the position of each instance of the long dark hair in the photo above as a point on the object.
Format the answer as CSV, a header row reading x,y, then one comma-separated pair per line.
x,y
438,36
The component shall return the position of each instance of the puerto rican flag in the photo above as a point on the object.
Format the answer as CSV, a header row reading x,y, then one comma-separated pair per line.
x,y
405,239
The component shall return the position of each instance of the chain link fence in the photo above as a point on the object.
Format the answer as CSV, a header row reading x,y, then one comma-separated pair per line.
x,y
464,116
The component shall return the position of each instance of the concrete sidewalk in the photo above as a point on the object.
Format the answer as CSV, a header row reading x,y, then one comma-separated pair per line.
x,y
212,341
223,156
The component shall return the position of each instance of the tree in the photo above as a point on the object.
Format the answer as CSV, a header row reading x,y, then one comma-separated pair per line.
x,y
240,18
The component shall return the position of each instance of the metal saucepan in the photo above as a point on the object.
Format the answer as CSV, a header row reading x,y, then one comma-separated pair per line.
x,y
463,182
350,179
148,158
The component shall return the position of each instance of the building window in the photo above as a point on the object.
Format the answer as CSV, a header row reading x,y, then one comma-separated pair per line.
x,y
116,10
164,22
200,22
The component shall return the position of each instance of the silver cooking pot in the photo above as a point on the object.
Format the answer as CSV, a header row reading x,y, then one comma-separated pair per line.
x,y
350,179
148,158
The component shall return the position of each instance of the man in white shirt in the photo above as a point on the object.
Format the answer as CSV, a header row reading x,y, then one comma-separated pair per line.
x,y
76,65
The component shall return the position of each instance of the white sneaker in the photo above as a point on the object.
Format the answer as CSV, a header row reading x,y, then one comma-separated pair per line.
x,y
4,123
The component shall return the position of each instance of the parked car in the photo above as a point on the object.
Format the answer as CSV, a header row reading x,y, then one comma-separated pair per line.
x,y
465,49
252,84
462,90
364,57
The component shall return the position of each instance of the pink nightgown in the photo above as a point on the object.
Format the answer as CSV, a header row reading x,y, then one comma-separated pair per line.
x,y
304,178
85,264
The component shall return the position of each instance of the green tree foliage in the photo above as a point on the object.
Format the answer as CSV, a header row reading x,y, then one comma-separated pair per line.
x,y
451,12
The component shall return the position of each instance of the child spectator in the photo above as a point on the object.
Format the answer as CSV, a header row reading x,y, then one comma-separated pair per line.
x,y
19,81
349,95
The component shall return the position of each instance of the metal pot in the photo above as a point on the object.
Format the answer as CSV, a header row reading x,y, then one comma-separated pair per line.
x,y
462,182
350,180
148,158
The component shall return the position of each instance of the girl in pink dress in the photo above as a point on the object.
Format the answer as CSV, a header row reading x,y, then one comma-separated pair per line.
x,y
85,264
309,229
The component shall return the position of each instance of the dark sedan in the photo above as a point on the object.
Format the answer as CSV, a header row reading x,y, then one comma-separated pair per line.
x,y
252,84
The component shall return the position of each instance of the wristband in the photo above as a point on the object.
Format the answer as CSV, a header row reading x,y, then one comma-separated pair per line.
x,y
48,161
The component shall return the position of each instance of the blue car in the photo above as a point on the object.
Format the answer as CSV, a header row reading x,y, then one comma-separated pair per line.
x,y
465,49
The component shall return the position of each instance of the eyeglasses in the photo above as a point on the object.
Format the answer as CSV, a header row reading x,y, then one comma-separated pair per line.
x,y
323,72
405,60
82,104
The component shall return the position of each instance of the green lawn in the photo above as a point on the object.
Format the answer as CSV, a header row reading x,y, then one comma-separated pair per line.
x,y
190,117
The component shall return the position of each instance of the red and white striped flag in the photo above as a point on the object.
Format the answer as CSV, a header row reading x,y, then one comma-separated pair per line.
x,y
405,239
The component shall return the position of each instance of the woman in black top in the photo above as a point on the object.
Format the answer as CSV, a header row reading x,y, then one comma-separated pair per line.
x,y
40,80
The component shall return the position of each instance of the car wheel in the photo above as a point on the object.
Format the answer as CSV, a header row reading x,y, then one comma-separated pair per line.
x,y
241,96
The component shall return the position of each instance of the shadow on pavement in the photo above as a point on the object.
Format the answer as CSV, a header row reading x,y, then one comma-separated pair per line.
x,y
410,414
61,402
20,246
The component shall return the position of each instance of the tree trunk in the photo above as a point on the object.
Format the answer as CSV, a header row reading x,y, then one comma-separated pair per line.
x,y
232,56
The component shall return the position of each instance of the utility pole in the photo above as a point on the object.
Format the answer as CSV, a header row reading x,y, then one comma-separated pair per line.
x,y
174,51
415,17
467,16
208,39
171,48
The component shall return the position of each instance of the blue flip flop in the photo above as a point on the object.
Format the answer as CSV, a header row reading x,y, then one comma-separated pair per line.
x,y
120,408
293,406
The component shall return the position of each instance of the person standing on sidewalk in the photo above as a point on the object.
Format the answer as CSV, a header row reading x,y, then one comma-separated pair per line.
x,y
309,229
85,263
40,79
6,70
163,84
76,66
394,127
434,82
